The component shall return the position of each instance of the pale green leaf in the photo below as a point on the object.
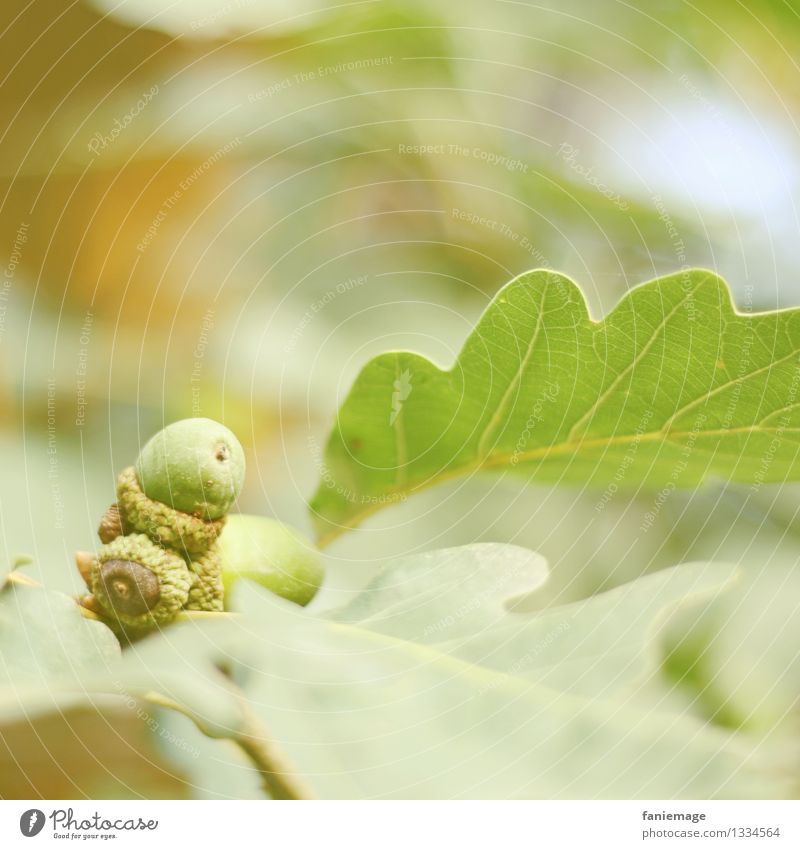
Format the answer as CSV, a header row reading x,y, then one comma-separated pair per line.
x,y
470,602
671,388
182,665
46,650
446,594
396,695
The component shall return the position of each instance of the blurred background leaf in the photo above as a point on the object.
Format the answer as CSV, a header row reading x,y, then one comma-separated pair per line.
x,y
86,753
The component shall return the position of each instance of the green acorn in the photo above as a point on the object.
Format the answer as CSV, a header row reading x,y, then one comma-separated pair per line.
x,y
139,583
272,554
160,553
195,466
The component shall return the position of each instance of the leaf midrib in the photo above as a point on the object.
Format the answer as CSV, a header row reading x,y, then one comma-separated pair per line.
x,y
568,446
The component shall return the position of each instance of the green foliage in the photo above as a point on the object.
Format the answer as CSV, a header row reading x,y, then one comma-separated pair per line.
x,y
47,648
447,675
671,388
432,682
414,149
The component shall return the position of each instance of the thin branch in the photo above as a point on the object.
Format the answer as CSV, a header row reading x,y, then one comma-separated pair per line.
x,y
279,778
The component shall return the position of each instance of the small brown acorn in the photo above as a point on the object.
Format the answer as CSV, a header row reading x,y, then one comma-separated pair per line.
x,y
111,524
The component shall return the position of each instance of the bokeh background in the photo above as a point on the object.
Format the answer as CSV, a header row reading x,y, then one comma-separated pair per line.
x,y
225,208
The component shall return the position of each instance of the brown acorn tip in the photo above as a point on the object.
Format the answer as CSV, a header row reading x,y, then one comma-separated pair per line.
x,y
110,525
84,560
89,602
131,588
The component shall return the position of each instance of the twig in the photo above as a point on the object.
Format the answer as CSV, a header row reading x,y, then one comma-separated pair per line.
x,y
278,777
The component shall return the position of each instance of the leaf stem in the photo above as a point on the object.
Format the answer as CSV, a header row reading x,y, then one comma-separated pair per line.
x,y
278,777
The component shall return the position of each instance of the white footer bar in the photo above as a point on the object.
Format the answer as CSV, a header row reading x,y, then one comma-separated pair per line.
x,y
402,825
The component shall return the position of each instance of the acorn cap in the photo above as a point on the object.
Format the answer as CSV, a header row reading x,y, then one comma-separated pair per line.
x,y
139,583
84,560
163,524
195,466
208,591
